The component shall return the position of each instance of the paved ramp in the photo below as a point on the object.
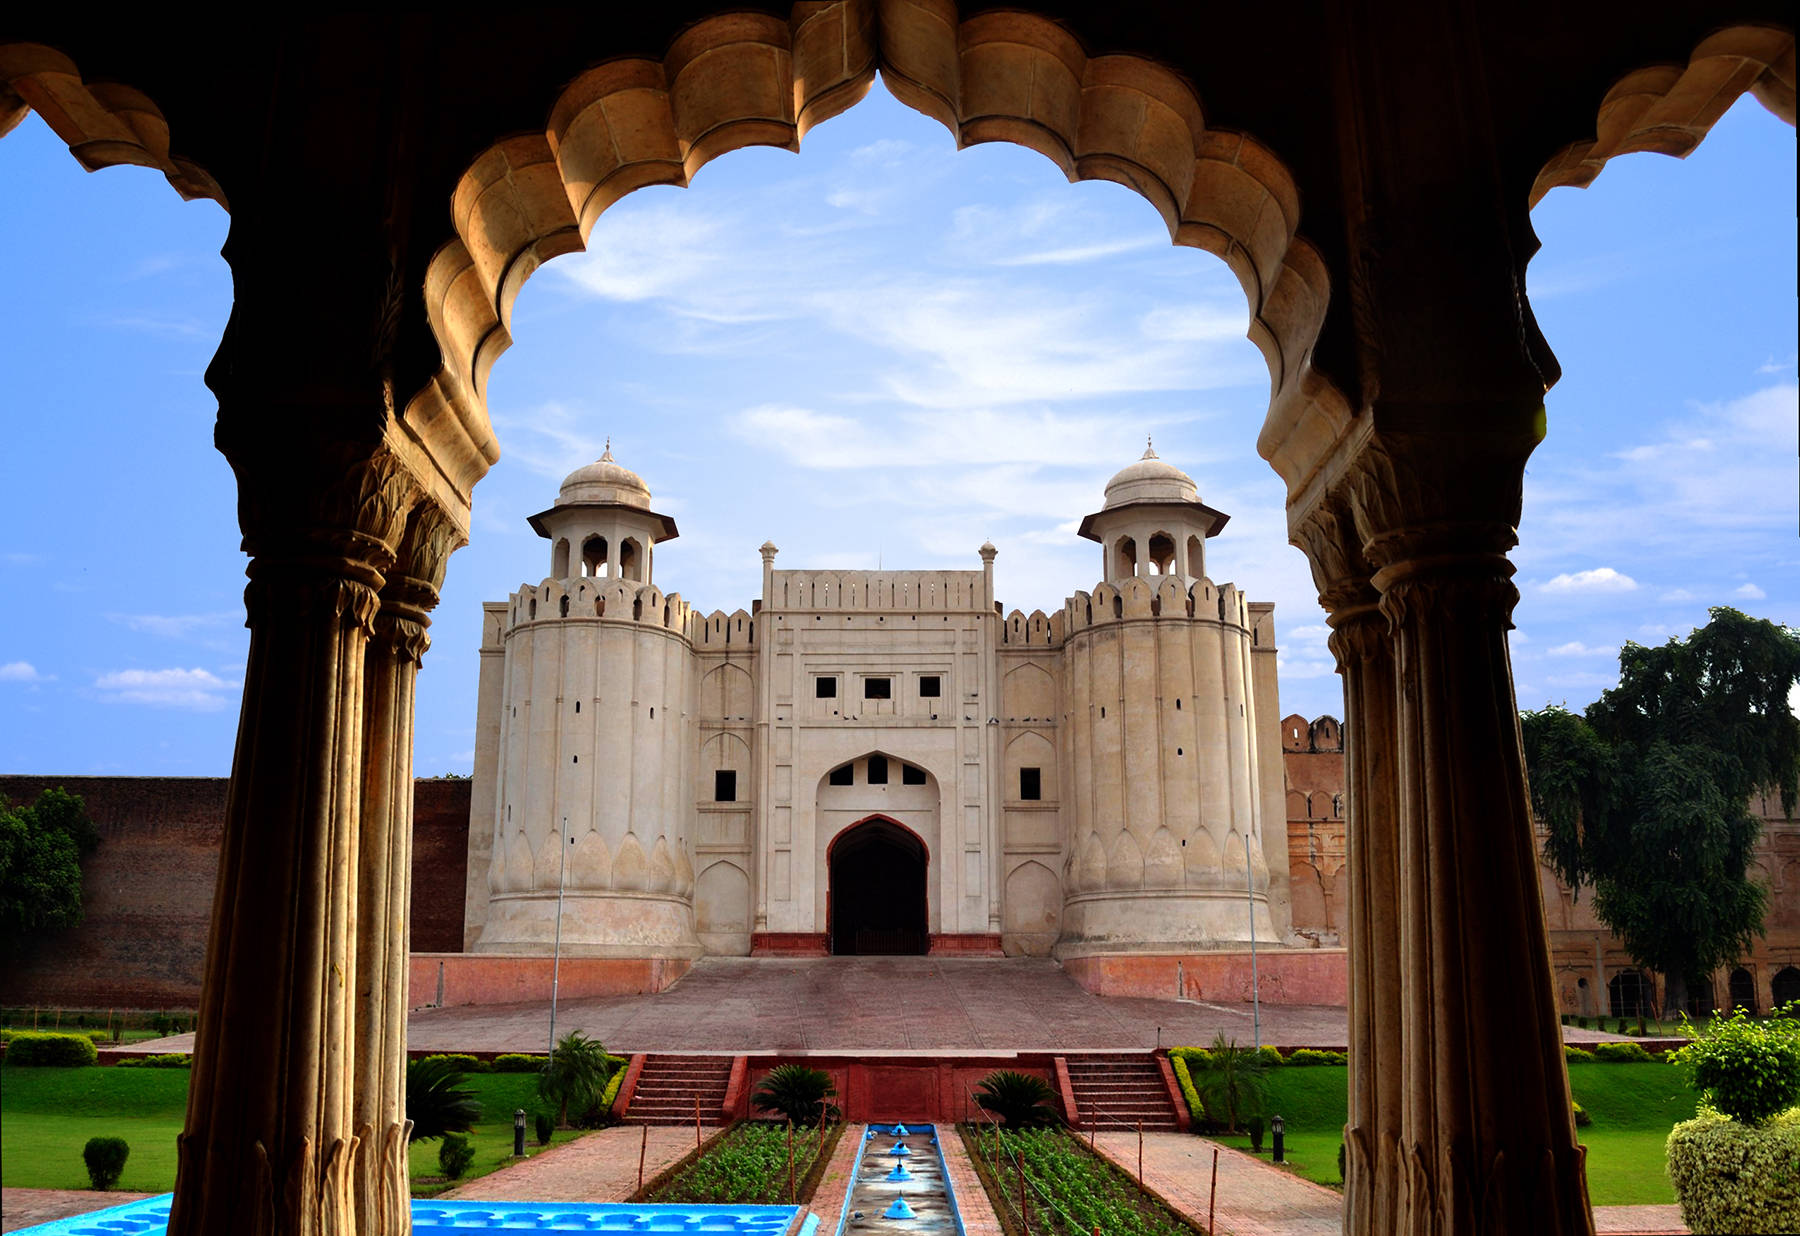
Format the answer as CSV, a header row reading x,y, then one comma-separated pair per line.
x,y
868,1004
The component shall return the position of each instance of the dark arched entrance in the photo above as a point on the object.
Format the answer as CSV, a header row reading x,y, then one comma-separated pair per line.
x,y
877,890
1784,987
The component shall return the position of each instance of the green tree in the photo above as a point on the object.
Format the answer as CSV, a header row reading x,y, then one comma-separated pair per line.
x,y
41,848
575,1074
1646,797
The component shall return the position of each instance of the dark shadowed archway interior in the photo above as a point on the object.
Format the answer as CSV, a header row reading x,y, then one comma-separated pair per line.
x,y
877,890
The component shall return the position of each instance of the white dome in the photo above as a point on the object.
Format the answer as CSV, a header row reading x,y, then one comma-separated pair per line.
x,y
1150,480
604,480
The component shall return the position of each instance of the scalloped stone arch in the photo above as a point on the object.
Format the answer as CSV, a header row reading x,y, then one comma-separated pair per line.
x,y
105,124
1669,109
743,79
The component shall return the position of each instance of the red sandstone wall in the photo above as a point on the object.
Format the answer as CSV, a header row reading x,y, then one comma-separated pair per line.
x,y
148,890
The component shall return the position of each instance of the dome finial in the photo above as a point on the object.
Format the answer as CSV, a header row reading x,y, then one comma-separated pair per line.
x,y
1149,449
607,457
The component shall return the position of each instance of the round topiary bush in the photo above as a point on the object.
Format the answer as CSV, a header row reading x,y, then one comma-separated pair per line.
x,y
105,1158
1735,1177
455,1155
36,1049
1582,1119
543,1124
1621,1053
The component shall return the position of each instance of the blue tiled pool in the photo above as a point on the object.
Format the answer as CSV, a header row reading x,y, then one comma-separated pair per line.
x,y
150,1217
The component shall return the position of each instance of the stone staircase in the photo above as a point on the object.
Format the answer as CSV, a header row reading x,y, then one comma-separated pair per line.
x,y
1117,1091
668,1086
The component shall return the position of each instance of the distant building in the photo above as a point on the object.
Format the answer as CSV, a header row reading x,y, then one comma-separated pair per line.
x,y
878,761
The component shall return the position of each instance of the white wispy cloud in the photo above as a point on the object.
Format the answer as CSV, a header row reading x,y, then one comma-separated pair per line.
x,y
1598,581
1675,595
1749,592
179,626
1575,648
16,558
22,671
197,689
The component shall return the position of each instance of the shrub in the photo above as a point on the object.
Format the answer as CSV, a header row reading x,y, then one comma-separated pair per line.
x,y
1582,1119
1582,1022
543,1124
1735,1177
1021,1100
575,1075
1232,1082
1621,1053
38,1049
517,1062
1744,1069
464,1063
105,1158
455,1155
1577,1055
1309,1055
1270,1057
1184,1078
1341,1173
434,1103
168,1060
1258,1126
609,1097
798,1093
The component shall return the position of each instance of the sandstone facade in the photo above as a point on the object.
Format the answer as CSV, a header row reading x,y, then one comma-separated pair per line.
x,y
876,761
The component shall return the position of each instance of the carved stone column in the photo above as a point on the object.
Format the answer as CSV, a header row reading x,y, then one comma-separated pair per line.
x,y
270,1136
384,873
1459,1105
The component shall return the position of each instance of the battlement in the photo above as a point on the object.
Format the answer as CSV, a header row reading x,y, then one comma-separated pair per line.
x,y
1137,599
891,591
720,631
608,600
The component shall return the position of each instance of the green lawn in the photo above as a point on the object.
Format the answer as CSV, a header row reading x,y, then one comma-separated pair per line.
x,y
49,1115
1633,1105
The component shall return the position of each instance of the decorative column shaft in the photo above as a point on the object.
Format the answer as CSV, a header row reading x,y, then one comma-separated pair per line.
x,y
271,1132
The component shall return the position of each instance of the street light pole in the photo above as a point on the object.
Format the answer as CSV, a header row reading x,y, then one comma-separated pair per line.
x,y
1250,900
556,955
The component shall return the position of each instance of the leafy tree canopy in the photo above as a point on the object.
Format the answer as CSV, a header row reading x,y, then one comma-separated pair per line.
x,y
41,848
1646,796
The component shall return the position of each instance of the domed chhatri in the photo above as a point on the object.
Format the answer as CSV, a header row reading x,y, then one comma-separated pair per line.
x,y
605,480
1150,479
878,761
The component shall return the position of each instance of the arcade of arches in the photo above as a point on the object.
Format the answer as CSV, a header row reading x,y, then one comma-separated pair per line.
x,y
1367,173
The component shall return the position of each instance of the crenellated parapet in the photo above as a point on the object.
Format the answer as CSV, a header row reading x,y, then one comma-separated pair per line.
x,y
607,600
891,591
721,632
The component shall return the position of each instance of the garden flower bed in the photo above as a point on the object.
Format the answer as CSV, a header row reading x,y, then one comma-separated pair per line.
x,y
749,1166
1068,1188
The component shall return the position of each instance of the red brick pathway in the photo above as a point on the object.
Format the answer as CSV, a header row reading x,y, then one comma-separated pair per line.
x,y
1255,1198
29,1207
601,1167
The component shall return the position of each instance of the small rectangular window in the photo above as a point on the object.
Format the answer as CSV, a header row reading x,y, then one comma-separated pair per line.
x,y
825,687
725,785
1031,784
877,770
930,686
844,774
878,688
911,776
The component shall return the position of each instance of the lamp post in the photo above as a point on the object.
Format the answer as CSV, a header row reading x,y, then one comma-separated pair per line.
x,y
519,1133
556,954
1277,1128
1250,900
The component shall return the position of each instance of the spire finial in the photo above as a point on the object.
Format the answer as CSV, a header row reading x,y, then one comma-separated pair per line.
x,y
1149,448
607,458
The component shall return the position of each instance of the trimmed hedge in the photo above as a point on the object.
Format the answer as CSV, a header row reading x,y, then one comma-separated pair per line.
x,y
168,1060
1309,1055
35,1049
1578,1055
1270,1057
516,1062
610,1095
1734,1177
468,1064
1622,1053
1184,1078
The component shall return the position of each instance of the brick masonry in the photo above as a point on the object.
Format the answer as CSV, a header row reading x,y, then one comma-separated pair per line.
x,y
148,890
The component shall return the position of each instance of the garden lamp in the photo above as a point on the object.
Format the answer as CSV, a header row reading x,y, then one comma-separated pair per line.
x,y
519,1133
1277,1128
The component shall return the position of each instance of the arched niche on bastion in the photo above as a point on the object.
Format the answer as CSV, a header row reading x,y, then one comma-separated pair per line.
x,y
727,693
1031,913
722,911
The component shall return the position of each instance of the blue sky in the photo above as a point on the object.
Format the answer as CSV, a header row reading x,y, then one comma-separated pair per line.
x,y
879,351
